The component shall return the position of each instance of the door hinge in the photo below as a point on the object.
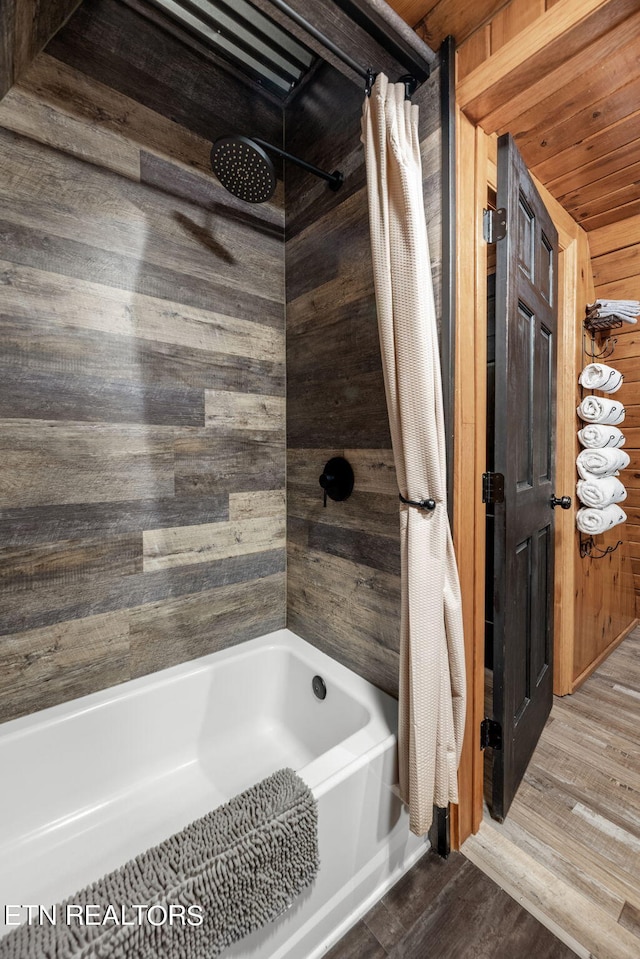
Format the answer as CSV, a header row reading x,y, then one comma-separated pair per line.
x,y
492,488
494,225
490,734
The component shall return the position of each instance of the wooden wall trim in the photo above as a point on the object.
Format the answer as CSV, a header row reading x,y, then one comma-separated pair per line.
x,y
449,257
470,459
564,612
482,163
558,34
570,264
503,24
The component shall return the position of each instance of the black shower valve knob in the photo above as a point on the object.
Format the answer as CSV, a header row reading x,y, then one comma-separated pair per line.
x,y
337,479
326,480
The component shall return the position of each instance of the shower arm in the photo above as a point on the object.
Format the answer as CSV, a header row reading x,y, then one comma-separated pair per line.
x,y
334,179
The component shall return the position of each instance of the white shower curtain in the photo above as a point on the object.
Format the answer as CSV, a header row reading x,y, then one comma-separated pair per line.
x,y
432,693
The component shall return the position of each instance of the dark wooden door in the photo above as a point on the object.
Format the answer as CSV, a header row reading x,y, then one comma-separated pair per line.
x,y
524,452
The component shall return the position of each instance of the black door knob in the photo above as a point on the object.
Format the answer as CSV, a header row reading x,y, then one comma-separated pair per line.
x,y
564,502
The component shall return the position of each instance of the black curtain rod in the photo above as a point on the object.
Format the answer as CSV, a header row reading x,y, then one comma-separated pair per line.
x,y
320,37
367,73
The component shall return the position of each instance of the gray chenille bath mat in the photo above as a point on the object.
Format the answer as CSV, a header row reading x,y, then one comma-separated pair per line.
x,y
239,867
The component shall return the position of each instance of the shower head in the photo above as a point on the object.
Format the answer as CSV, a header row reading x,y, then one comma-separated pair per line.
x,y
245,169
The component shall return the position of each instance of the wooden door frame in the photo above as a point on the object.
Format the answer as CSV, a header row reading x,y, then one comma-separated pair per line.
x,y
476,174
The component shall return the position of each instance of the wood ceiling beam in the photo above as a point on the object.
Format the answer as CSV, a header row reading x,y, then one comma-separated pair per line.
x,y
565,90
525,70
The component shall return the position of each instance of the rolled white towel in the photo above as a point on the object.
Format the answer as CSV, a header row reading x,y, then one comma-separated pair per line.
x,y
605,462
598,437
600,491
593,521
600,409
598,376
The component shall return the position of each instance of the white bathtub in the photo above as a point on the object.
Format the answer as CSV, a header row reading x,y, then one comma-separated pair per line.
x,y
89,784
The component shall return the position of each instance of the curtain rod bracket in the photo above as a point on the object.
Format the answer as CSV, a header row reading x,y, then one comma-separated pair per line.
x,y
409,81
371,79
410,85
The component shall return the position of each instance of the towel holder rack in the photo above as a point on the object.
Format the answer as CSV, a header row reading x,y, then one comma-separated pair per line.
x,y
589,548
608,346
593,327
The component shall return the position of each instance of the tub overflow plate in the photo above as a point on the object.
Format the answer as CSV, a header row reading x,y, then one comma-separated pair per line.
x,y
319,687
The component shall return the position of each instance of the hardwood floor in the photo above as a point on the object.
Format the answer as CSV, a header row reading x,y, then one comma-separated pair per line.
x,y
567,858
448,910
570,847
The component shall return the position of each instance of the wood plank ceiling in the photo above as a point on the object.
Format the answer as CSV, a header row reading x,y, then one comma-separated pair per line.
x,y
563,77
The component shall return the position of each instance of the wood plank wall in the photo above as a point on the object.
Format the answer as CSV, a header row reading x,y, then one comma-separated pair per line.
x,y
118,47
343,561
604,609
605,604
142,512
615,254
26,26
502,23
481,27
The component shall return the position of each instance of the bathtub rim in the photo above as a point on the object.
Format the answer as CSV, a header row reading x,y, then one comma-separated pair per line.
x,y
320,773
